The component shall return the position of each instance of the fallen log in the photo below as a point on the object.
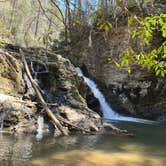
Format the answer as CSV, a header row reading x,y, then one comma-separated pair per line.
x,y
40,97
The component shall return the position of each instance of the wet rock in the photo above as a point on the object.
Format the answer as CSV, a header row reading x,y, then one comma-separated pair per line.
x,y
18,117
71,114
93,104
87,121
58,82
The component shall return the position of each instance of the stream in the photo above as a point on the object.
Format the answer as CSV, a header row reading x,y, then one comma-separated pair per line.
x,y
147,148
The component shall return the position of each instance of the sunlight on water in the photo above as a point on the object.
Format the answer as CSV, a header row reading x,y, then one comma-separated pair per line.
x,y
98,158
108,113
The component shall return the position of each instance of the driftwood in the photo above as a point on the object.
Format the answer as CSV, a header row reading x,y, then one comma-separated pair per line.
x,y
40,97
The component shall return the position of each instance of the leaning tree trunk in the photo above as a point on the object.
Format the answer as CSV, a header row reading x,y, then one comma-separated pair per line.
x,y
40,97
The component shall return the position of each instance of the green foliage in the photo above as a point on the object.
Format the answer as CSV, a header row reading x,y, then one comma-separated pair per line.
x,y
147,26
101,22
145,30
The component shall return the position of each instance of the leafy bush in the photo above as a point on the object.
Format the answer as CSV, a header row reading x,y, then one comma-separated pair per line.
x,y
148,31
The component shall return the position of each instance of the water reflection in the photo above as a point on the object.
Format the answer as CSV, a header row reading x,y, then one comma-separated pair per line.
x,y
148,148
15,151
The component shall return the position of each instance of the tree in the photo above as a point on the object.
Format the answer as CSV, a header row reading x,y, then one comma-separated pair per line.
x,y
26,21
152,54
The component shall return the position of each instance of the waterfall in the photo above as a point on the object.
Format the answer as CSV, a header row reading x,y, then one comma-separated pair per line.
x,y
1,125
108,113
40,127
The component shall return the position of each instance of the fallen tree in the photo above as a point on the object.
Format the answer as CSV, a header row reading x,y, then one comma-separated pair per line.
x,y
40,97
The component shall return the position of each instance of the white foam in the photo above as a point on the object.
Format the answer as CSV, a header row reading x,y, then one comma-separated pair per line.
x,y
40,127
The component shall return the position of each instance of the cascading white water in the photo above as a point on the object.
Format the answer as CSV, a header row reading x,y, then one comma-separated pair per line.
x,y
108,113
40,123
1,125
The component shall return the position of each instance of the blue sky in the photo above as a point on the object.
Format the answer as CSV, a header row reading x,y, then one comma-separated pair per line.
x,y
62,2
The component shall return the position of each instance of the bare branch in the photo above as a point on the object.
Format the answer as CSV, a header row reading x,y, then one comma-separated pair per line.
x,y
44,12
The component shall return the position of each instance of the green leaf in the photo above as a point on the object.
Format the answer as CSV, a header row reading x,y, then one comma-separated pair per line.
x,y
106,28
130,20
122,63
163,15
158,72
162,73
110,25
117,64
164,30
129,71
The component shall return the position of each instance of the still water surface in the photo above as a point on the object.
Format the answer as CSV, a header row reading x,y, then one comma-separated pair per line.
x,y
147,148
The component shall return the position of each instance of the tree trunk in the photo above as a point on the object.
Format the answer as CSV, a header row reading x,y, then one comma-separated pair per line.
x,y
40,97
37,22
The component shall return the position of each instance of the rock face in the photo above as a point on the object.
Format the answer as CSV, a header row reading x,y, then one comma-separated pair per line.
x,y
59,83
10,74
139,94
15,114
